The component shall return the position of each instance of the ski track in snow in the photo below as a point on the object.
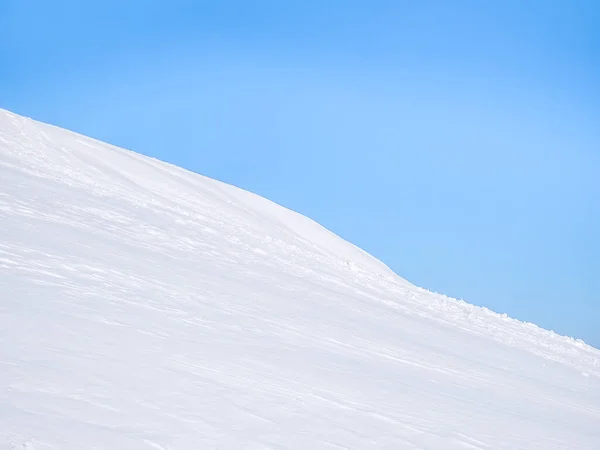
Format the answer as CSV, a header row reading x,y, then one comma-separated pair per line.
x,y
146,307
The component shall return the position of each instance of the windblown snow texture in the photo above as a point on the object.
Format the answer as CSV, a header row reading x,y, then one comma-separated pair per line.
x,y
146,307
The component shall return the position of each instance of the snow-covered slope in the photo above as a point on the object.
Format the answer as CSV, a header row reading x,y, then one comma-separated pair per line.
x,y
146,307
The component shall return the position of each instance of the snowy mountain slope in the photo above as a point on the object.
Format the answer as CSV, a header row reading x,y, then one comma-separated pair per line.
x,y
146,307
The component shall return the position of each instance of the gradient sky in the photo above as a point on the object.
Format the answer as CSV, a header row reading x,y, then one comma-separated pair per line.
x,y
458,141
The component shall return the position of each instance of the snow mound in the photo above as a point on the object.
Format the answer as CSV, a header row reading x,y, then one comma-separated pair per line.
x,y
144,306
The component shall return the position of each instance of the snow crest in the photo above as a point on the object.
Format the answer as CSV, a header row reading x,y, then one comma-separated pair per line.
x,y
144,306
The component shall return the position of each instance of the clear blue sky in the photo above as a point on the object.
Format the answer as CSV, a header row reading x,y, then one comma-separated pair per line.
x,y
458,141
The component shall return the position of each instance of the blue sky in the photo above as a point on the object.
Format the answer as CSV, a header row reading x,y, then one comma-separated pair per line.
x,y
459,141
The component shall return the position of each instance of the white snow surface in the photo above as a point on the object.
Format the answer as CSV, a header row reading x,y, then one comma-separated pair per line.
x,y
143,306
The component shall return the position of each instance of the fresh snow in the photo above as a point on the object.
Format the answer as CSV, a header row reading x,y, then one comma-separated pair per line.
x,y
146,307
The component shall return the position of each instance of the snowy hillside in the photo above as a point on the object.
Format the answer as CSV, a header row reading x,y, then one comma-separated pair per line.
x,y
146,307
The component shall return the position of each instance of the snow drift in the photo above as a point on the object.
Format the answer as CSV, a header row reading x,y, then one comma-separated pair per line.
x,y
143,306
